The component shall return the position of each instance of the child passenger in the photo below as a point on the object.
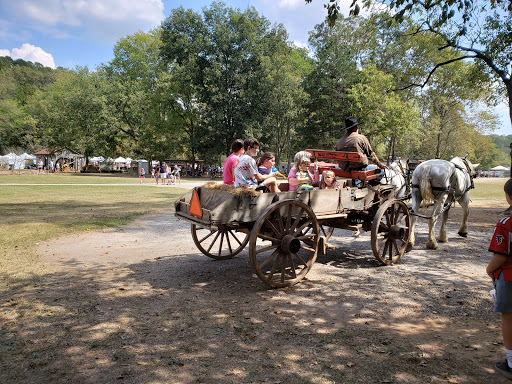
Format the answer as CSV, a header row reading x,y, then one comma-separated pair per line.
x,y
303,175
499,270
329,181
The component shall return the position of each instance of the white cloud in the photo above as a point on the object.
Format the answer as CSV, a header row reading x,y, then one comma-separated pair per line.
x,y
29,52
4,52
106,20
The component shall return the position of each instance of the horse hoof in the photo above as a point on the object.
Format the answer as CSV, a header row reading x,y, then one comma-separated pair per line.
x,y
463,234
432,245
409,247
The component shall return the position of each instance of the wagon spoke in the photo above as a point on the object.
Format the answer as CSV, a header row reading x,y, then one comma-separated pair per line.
x,y
396,247
304,226
229,243
300,259
213,242
401,219
279,219
390,249
268,248
266,237
306,237
221,241
234,237
207,236
272,227
386,246
379,246
292,265
297,221
396,213
388,219
383,226
270,257
274,265
288,218
307,248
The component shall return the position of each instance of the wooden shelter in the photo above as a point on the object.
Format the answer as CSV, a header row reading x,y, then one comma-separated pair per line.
x,y
67,159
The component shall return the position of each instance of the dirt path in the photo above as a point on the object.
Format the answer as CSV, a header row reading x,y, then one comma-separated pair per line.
x,y
141,305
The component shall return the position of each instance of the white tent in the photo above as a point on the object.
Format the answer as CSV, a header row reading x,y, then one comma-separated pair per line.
x,y
97,159
499,168
120,160
18,161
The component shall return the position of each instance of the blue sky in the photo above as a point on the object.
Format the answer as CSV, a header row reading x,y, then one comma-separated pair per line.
x,y
71,33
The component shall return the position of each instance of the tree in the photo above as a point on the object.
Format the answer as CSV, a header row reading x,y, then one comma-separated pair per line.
x,y
20,84
220,62
479,29
394,121
70,114
337,51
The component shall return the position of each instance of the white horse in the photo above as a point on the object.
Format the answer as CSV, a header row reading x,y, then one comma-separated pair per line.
x,y
440,182
396,175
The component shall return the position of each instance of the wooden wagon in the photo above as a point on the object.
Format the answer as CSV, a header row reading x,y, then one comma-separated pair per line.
x,y
286,231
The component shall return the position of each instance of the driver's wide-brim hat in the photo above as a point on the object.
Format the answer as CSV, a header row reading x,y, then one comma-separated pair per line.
x,y
351,122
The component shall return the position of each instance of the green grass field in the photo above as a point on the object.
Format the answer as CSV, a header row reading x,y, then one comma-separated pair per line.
x,y
489,192
32,212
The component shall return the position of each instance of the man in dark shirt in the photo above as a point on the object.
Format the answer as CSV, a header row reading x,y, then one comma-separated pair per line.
x,y
355,142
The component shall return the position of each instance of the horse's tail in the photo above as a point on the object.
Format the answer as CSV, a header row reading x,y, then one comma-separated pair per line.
x,y
426,188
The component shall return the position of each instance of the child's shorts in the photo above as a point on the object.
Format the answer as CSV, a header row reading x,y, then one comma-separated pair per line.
x,y
503,301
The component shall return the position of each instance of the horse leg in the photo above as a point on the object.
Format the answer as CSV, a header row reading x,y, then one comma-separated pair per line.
x,y
438,206
464,203
442,232
416,201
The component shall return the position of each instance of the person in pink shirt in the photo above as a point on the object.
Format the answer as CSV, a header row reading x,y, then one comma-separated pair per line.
x,y
237,150
295,177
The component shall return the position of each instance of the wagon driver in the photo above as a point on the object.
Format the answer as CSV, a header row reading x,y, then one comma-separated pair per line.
x,y
353,141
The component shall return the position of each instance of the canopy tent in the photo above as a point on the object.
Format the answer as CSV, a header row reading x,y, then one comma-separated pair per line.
x,y
120,160
499,168
97,159
17,161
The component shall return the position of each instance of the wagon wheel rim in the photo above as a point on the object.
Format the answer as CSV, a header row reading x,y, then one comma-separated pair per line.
x,y
284,243
391,231
219,244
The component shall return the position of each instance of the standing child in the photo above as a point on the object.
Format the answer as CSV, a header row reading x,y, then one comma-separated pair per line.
x,y
500,271
142,174
329,181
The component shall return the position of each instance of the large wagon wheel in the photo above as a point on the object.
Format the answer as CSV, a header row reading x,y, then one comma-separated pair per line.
x,y
220,244
391,230
281,247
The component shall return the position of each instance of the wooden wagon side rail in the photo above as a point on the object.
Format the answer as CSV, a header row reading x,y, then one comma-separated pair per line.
x,y
352,157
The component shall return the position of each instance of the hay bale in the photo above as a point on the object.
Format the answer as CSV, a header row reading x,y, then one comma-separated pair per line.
x,y
229,188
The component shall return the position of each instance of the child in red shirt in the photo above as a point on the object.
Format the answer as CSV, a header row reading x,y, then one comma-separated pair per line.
x,y
500,270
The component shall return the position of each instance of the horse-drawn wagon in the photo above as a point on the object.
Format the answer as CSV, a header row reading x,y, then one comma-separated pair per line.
x,y
286,231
